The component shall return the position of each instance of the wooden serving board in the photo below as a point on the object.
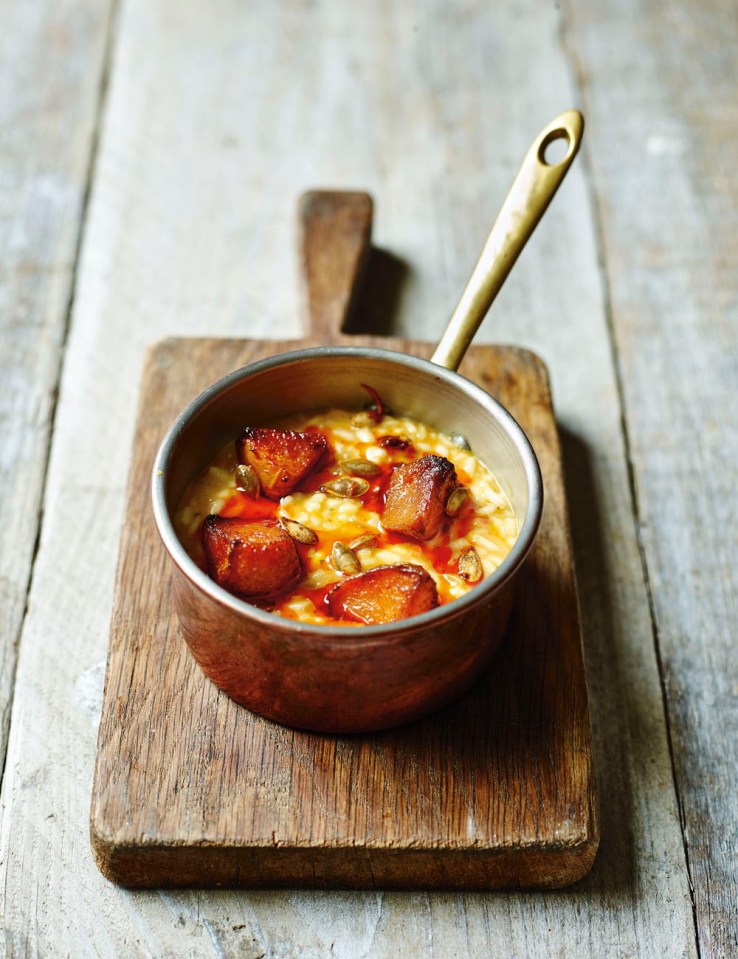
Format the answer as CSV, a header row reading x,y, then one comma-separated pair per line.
x,y
496,790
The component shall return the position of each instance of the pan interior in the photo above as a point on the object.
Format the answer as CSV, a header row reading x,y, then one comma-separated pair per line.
x,y
329,378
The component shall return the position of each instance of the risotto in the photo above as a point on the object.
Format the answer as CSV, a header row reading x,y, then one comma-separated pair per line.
x,y
346,518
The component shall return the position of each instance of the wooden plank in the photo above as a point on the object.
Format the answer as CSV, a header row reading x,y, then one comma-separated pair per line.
x,y
668,209
190,231
495,791
51,67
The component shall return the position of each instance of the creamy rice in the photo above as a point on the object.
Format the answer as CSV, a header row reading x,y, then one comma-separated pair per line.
x,y
486,522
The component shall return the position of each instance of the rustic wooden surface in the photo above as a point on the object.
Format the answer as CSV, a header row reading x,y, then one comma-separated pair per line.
x,y
673,290
214,120
52,60
495,791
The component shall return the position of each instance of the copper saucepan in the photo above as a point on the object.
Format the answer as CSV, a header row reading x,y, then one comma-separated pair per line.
x,y
332,678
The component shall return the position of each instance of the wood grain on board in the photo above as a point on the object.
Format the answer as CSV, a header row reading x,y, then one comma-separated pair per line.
x,y
335,245
495,790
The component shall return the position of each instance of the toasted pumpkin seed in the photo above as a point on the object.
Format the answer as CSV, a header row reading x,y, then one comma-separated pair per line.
x,y
456,500
361,542
246,480
361,468
345,559
470,565
298,532
458,439
347,487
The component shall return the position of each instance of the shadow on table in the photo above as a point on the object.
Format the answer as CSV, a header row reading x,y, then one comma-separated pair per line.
x,y
612,705
378,302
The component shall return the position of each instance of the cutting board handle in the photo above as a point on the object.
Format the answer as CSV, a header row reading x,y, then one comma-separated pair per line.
x,y
335,239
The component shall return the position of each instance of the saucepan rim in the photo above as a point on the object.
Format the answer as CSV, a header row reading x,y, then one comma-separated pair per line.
x,y
363,634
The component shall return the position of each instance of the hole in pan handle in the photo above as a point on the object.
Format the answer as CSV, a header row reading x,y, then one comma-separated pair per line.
x,y
532,190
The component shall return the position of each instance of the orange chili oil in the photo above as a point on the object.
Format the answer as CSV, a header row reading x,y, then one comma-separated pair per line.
x,y
249,507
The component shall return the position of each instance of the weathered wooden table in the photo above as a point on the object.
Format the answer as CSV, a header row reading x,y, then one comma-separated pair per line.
x,y
151,156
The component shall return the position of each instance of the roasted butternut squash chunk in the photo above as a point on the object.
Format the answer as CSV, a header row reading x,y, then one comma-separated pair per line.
x,y
417,495
384,594
254,561
281,459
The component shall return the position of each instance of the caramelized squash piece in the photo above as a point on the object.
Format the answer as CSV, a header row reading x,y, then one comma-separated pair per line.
x,y
384,595
416,496
281,459
254,561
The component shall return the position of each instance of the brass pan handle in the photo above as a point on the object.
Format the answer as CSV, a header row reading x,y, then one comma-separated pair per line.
x,y
526,202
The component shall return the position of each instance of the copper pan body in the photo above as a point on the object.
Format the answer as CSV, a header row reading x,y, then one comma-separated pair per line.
x,y
330,678
340,679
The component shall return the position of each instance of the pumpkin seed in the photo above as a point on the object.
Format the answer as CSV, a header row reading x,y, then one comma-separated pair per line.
x,y
456,500
347,487
246,480
458,439
361,468
470,565
298,532
361,542
345,559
